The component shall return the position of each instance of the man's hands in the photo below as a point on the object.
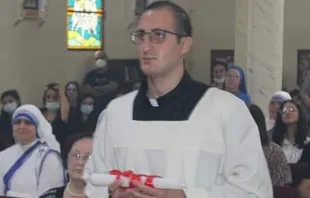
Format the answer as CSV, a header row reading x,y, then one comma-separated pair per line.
x,y
142,191
116,191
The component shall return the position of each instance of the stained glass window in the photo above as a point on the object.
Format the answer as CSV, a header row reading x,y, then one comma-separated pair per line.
x,y
84,24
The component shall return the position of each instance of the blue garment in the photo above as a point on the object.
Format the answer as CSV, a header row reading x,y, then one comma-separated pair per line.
x,y
245,97
20,161
243,93
27,116
45,150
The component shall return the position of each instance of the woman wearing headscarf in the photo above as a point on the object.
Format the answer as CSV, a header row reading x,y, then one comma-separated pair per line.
x,y
34,158
235,84
10,101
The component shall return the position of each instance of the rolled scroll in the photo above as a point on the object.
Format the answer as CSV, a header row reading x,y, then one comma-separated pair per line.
x,y
128,178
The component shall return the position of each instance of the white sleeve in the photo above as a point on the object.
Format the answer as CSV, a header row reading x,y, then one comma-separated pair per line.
x,y
245,166
52,175
102,159
245,172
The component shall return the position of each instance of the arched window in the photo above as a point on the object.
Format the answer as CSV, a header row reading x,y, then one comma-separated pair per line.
x,y
84,24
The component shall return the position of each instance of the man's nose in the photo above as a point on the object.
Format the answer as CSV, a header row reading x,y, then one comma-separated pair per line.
x,y
147,44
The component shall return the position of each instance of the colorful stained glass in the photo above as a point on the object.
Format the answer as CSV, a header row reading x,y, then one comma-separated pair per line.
x,y
84,5
84,24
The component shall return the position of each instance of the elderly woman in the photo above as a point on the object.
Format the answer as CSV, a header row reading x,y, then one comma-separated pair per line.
x,y
77,153
35,157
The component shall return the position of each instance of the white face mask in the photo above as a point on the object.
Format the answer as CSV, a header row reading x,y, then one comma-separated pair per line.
x,y
100,63
219,80
10,107
87,109
52,106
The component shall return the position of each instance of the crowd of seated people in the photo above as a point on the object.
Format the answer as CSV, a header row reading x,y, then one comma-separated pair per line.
x,y
55,138
66,114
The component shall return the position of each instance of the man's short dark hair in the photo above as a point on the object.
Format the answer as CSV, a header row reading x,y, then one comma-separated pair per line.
x,y
182,20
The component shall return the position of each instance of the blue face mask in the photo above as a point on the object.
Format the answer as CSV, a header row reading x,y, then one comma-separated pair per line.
x,y
52,106
10,107
87,109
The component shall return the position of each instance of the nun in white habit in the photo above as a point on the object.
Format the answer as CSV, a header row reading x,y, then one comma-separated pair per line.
x,y
276,100
33,165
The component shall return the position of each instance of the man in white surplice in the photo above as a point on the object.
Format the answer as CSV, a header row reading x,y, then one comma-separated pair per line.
x,y
176,127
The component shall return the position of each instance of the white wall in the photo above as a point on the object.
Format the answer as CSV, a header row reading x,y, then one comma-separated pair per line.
x,y
30,57
259,47
213,22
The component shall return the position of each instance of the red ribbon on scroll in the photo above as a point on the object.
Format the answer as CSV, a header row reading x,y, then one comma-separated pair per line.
x,y
149,181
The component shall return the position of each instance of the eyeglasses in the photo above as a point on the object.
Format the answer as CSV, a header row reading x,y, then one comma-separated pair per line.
x,y
157,36
77,156
287,110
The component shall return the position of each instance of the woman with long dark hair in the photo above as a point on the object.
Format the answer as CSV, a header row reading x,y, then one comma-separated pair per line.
x,y
84,118
72,92
279,169
10,101
273,108
290,132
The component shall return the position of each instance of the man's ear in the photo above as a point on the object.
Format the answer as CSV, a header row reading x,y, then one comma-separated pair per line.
x,y
186,43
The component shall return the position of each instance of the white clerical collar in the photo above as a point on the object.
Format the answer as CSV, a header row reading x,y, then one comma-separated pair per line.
x,y
153,102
